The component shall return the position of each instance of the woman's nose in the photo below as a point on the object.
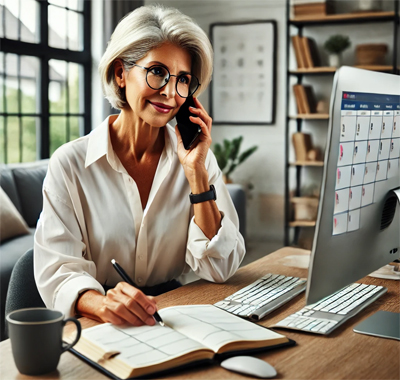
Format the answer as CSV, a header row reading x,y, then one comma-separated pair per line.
x,y
169,90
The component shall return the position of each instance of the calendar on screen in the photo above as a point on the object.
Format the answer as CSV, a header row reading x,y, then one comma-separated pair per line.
x,y
369,152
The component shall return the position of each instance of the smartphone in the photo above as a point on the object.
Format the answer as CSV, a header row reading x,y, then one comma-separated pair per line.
x,y
188,130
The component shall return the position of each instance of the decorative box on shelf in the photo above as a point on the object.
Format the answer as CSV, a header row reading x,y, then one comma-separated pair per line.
x,y
371,54
305,208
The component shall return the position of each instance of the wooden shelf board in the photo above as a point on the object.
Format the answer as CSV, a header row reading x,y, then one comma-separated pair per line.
x,y
302,223
304,199
344,17
375,67
329,69
307,163
313,70
314,116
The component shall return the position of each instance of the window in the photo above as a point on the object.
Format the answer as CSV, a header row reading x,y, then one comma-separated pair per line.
x,y
45,68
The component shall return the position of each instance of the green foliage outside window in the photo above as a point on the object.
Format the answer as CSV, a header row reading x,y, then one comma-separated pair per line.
x,y
58,125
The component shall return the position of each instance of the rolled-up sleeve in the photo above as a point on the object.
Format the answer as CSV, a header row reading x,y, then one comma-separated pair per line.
x,y
217,259
61,270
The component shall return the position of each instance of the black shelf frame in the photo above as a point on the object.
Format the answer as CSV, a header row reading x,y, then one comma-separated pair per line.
x,y
300,24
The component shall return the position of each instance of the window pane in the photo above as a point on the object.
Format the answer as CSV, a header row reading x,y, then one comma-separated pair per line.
x,y
2,147
58,86
12,23
61,3
75,4
75,31
30,21
29,138
30,71
21,20
75,127
75,83
1,94
12,127
57,27
2,31
58,132
2,83
11,83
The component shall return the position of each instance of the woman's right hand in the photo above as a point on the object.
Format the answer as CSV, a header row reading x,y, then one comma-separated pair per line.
x,y
122,304
126,304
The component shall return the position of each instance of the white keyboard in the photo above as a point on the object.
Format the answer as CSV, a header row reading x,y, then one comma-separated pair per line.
x,y
263,296
326,315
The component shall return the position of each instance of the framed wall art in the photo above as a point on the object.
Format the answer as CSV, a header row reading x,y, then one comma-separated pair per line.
x,y
242,90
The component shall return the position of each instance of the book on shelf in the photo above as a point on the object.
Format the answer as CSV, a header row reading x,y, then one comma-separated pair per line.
x,y
298,51
299,99
302,144
312,8
310,52
305,99
192,334
311,101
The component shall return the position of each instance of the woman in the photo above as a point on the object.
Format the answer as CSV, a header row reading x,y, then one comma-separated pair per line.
x,y
122,192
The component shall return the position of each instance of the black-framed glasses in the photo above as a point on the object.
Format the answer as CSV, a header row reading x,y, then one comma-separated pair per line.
x,y
158,76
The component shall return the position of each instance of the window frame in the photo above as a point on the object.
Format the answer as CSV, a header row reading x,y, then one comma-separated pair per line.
x,y
45,53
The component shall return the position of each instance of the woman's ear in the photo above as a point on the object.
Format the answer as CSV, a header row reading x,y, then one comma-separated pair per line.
x,y
119,73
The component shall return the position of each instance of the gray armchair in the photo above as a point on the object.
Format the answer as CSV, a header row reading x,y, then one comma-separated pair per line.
x,y
22,290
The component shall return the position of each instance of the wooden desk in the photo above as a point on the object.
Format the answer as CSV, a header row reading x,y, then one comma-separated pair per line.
x,y
343,354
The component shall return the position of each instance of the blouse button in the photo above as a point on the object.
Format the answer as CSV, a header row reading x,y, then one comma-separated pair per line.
x,y
139,279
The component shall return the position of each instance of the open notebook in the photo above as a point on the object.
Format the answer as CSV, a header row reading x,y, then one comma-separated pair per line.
x,y
192,333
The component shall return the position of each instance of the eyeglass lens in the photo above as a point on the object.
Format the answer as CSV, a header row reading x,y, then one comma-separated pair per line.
x,y
158,77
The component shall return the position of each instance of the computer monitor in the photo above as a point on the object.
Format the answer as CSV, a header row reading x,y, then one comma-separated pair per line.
x,y
361,175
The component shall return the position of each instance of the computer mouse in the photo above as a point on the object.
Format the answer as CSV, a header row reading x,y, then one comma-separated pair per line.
x,y
249,365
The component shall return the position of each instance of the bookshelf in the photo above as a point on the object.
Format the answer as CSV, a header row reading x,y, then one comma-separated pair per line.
x,y
297,170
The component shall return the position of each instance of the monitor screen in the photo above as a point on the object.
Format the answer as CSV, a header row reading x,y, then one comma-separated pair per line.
x,y
358,223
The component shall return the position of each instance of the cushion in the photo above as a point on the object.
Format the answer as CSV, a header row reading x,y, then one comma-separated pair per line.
x,y
8,184
29,181
11,222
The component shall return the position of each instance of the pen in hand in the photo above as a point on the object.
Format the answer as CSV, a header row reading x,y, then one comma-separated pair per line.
x,y
127,279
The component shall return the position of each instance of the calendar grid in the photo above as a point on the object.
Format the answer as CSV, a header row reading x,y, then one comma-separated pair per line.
x,y
369,152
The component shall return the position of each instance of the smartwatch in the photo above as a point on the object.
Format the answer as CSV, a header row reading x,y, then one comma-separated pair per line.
x,y
209,195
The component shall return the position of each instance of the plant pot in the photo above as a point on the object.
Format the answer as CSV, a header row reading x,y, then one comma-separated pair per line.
x,y
335,60
369,5
226,179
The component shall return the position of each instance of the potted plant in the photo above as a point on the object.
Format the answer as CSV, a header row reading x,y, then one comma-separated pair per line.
x,y
335,45
229,157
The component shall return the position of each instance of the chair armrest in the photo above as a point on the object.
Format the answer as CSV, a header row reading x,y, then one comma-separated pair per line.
x,y
238,196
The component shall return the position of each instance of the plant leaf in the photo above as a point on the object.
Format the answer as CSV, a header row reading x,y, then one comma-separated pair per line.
x,y
235,148
247,154
220,156
231,169
227,148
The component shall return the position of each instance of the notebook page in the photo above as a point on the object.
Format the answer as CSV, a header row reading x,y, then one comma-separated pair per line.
x,y
141,346
212,326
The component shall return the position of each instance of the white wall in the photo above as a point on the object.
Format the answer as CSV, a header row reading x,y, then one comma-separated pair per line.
x,y
265,168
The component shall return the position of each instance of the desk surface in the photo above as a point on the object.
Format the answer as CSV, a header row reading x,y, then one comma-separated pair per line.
x,y
343,354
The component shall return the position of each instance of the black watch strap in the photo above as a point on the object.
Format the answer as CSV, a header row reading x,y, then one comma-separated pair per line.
x,y
209,195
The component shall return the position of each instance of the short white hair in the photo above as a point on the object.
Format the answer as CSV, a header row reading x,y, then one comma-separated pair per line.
x,y
147,28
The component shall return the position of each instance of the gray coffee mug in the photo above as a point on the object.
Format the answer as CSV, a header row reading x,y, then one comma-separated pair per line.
x,y
36,339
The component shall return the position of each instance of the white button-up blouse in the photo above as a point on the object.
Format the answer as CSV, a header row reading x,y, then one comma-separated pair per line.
x,y
92,213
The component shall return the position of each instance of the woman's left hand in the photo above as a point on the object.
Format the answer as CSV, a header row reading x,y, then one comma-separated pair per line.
x,y
193,160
